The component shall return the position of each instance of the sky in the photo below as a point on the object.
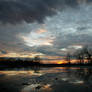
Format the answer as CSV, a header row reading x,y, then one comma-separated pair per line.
x,y
49,28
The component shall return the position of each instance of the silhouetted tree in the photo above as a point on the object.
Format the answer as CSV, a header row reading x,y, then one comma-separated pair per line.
x,y
68,58
87,54
80,57
37,59
83,54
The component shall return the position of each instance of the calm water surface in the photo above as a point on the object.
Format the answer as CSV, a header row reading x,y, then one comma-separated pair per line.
x,y
57,79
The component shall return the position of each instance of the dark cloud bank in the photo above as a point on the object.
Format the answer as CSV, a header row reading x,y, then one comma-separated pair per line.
x,y
13,11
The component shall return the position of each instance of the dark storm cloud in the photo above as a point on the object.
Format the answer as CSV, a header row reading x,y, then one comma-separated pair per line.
x,y
14,11
73,39
3,52
82,28
9,39
48,50
89,1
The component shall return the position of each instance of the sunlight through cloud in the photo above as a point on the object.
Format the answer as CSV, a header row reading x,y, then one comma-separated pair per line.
x,y
38,38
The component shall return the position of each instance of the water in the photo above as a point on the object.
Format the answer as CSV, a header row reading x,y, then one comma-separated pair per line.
x,y
56,79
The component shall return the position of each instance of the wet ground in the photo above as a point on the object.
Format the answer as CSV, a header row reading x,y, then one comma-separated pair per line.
x,y
57,79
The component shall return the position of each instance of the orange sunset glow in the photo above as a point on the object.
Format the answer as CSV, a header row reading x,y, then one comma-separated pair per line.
x,y
40,31
61,62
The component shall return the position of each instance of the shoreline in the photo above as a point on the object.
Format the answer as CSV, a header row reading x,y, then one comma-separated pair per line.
x,y
37,67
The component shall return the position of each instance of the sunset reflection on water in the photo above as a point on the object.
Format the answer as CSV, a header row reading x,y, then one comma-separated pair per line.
x,y
48,79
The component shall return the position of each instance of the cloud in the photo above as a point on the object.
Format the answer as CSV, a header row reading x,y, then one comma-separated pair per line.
x,y
35,26
17,11
3,52
48,50
71,26
38,38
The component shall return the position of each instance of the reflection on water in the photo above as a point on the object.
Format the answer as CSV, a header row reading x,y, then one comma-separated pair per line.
x,y
37,88
49,79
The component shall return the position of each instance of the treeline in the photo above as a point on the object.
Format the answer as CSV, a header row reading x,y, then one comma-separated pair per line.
x,y
13,62
82,56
